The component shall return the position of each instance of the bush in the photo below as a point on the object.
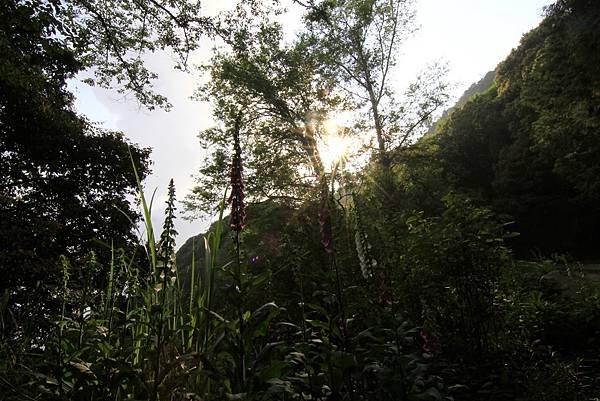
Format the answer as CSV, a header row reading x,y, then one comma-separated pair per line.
x,y
449,275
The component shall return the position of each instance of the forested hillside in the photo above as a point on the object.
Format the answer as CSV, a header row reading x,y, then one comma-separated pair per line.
x,y
527,147
376,259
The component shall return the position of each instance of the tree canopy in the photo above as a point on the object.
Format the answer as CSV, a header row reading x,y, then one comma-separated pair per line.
x,y
274,94
110,38
284,95
65,182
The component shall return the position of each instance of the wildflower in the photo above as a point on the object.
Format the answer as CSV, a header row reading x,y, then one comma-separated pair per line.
x,y
363,249
166,246
325,229
236,199
362,258
325,219
429,344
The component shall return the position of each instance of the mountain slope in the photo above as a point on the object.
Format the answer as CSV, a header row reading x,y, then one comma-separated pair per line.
x,y
530,146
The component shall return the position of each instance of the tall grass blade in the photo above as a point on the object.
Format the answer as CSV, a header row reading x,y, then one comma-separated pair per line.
x,y
147,216
109,288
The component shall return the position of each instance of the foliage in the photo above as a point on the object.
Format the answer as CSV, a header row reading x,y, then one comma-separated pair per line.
x,y
396,281
142,338
65,182
111,38
272,90
450,275
528,141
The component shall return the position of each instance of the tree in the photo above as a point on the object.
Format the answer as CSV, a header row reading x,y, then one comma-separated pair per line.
x,y
471,140
360,41
341,60
65,182
274,95
110,38
562,92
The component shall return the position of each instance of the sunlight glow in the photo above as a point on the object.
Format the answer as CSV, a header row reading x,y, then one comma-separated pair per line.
x,y
334,149
335,145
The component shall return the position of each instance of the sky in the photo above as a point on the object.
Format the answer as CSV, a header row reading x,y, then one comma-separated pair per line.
x,y
471,36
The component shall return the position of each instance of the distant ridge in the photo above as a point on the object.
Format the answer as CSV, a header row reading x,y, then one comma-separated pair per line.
x,y
481,86
478,87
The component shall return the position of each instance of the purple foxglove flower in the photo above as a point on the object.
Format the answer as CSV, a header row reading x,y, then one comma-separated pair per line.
x,y
325,229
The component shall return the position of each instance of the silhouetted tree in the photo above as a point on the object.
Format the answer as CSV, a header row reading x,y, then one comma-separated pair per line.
x,y
64,182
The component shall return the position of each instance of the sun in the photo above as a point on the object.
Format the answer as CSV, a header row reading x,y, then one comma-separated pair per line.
x,y
334,149
335,145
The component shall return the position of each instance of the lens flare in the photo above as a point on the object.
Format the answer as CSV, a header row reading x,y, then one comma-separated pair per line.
x,y
335,145
334,149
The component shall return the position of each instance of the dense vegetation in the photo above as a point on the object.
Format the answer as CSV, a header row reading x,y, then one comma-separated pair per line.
x,y
454,264
64,180
526,146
